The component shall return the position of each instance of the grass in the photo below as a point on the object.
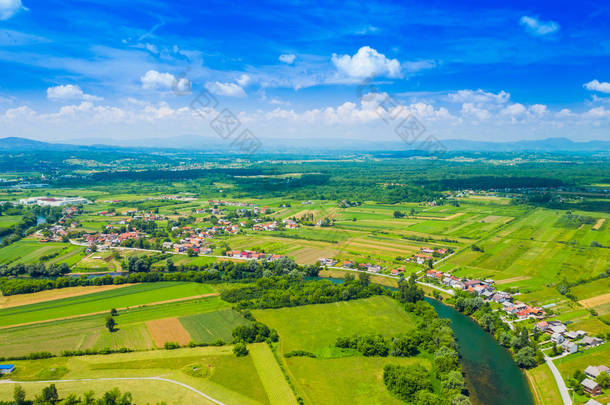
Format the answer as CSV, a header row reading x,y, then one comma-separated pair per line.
x,y
316,327
29,251
212,370
579,361
101,301
348,380
9,220
337,377
272,378
212,326
50,295
544,388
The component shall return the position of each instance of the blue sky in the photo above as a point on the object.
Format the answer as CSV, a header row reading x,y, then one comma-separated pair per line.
x,y
90,70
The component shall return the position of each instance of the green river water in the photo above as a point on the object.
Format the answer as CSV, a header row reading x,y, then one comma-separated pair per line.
x,y
492,376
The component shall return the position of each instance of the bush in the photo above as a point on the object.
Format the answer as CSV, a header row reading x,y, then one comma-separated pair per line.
x,y
240,349
299,353
171,345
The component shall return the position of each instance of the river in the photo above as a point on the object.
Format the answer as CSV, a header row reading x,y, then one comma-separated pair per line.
x,y
491,374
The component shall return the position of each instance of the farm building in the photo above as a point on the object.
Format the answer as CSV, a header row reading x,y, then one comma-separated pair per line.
x,y
591,387
6,368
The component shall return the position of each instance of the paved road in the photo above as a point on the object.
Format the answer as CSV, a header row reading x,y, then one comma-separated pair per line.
x,y
188,387
563,390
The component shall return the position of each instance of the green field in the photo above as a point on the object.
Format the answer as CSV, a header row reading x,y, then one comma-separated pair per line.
x,y
316,327
135,295
211,326
89,331
330,378
212,370
29,251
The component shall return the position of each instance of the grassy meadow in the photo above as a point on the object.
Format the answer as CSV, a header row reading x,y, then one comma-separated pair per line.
x,y
213,370
330,378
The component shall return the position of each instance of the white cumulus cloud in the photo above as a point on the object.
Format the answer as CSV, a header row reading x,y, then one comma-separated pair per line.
x,y
9,8
538,27
469,109
514,110
287,58
154,80
595,85
225,89
243,80
69,92
367,62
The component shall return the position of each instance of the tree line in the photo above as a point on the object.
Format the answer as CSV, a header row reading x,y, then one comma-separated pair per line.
x,y
50,396
144,272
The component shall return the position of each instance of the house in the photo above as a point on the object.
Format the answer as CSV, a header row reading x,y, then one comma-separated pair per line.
x,y
557,338
373,268
6,368
569,347
594,371
556,327
591,386
541,326
591,341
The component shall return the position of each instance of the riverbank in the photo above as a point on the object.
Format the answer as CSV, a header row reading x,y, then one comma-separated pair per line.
x,y
492,376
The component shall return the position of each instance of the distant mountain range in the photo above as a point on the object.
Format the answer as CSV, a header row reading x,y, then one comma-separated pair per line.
x,y
199,143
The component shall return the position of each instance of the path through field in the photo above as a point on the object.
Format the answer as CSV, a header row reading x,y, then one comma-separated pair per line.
x,y
188,387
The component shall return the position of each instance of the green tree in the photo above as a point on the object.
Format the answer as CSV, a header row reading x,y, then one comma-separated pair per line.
x,y
604,380
88,398
445,359
526,357
49,394
71,399
240,349
110,324
19,395
114,312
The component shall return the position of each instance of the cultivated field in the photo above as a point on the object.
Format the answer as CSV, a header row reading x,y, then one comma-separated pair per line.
x,y
132,332
131,296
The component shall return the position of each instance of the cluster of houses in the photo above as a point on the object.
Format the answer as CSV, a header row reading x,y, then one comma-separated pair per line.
x,y
569,341
193,241
56,234
522,310
255,208
589,384
265,226
106,240
426,254
483,288
252,255
274,226
371,268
